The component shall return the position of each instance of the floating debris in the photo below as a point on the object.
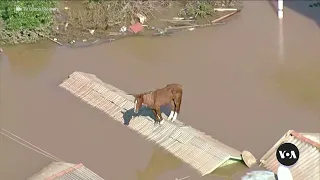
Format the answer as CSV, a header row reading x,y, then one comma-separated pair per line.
x,y
114,33
160,32
178,18
182,178
225,9
72,42
170,30
137,25
123,29
66,25
181,18
142,18
91,31
225,16
136,28
55,40
259,175
248,158
191,29
179,22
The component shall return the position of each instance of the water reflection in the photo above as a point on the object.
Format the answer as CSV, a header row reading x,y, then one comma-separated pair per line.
x,y
301,83
29,60
281,42
229,170
159,163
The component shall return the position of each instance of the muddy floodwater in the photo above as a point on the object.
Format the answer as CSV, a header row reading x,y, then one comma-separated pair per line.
x,y
246,83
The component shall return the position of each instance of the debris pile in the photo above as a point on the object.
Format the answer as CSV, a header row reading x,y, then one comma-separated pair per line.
x,y
139,25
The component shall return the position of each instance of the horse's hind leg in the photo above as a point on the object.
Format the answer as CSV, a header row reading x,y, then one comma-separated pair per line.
x,y
173,110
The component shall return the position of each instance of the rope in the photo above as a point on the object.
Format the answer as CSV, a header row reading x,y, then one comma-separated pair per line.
x,y
27,144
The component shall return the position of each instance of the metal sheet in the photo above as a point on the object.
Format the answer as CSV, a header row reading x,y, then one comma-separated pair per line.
x,y
75,85
212,164
167,131
138,123
99,102
80,86
307,166
65,171
166,143
200,151
104,105
96,97
67,84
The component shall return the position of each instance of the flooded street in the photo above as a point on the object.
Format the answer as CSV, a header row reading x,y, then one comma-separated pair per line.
x,y
246,83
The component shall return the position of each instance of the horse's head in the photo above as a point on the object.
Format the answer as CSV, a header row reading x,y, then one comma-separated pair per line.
x,y
138,102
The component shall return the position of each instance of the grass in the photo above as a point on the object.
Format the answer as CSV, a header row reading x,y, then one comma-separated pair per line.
x,y
31,23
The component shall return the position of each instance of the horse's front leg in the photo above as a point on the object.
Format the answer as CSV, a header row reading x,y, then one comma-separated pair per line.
x,y
173,111
158,115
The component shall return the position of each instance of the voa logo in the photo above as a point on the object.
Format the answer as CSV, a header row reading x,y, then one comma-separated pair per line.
x,y
287,154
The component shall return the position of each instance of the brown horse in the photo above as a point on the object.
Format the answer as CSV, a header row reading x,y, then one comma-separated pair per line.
x,y
172,93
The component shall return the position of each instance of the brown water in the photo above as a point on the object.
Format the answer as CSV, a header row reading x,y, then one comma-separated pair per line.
x,y
243,85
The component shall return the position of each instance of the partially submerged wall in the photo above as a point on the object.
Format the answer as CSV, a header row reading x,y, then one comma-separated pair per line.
x,y
62,170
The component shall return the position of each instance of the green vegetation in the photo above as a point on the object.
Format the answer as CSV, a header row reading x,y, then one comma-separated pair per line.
x,y
198,8
204,8
25,21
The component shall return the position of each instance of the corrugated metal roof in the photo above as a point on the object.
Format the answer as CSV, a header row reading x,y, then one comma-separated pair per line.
x,y
201,151
65,171
307,166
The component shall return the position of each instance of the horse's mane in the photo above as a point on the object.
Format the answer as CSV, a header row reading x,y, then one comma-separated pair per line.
x,y
152,91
